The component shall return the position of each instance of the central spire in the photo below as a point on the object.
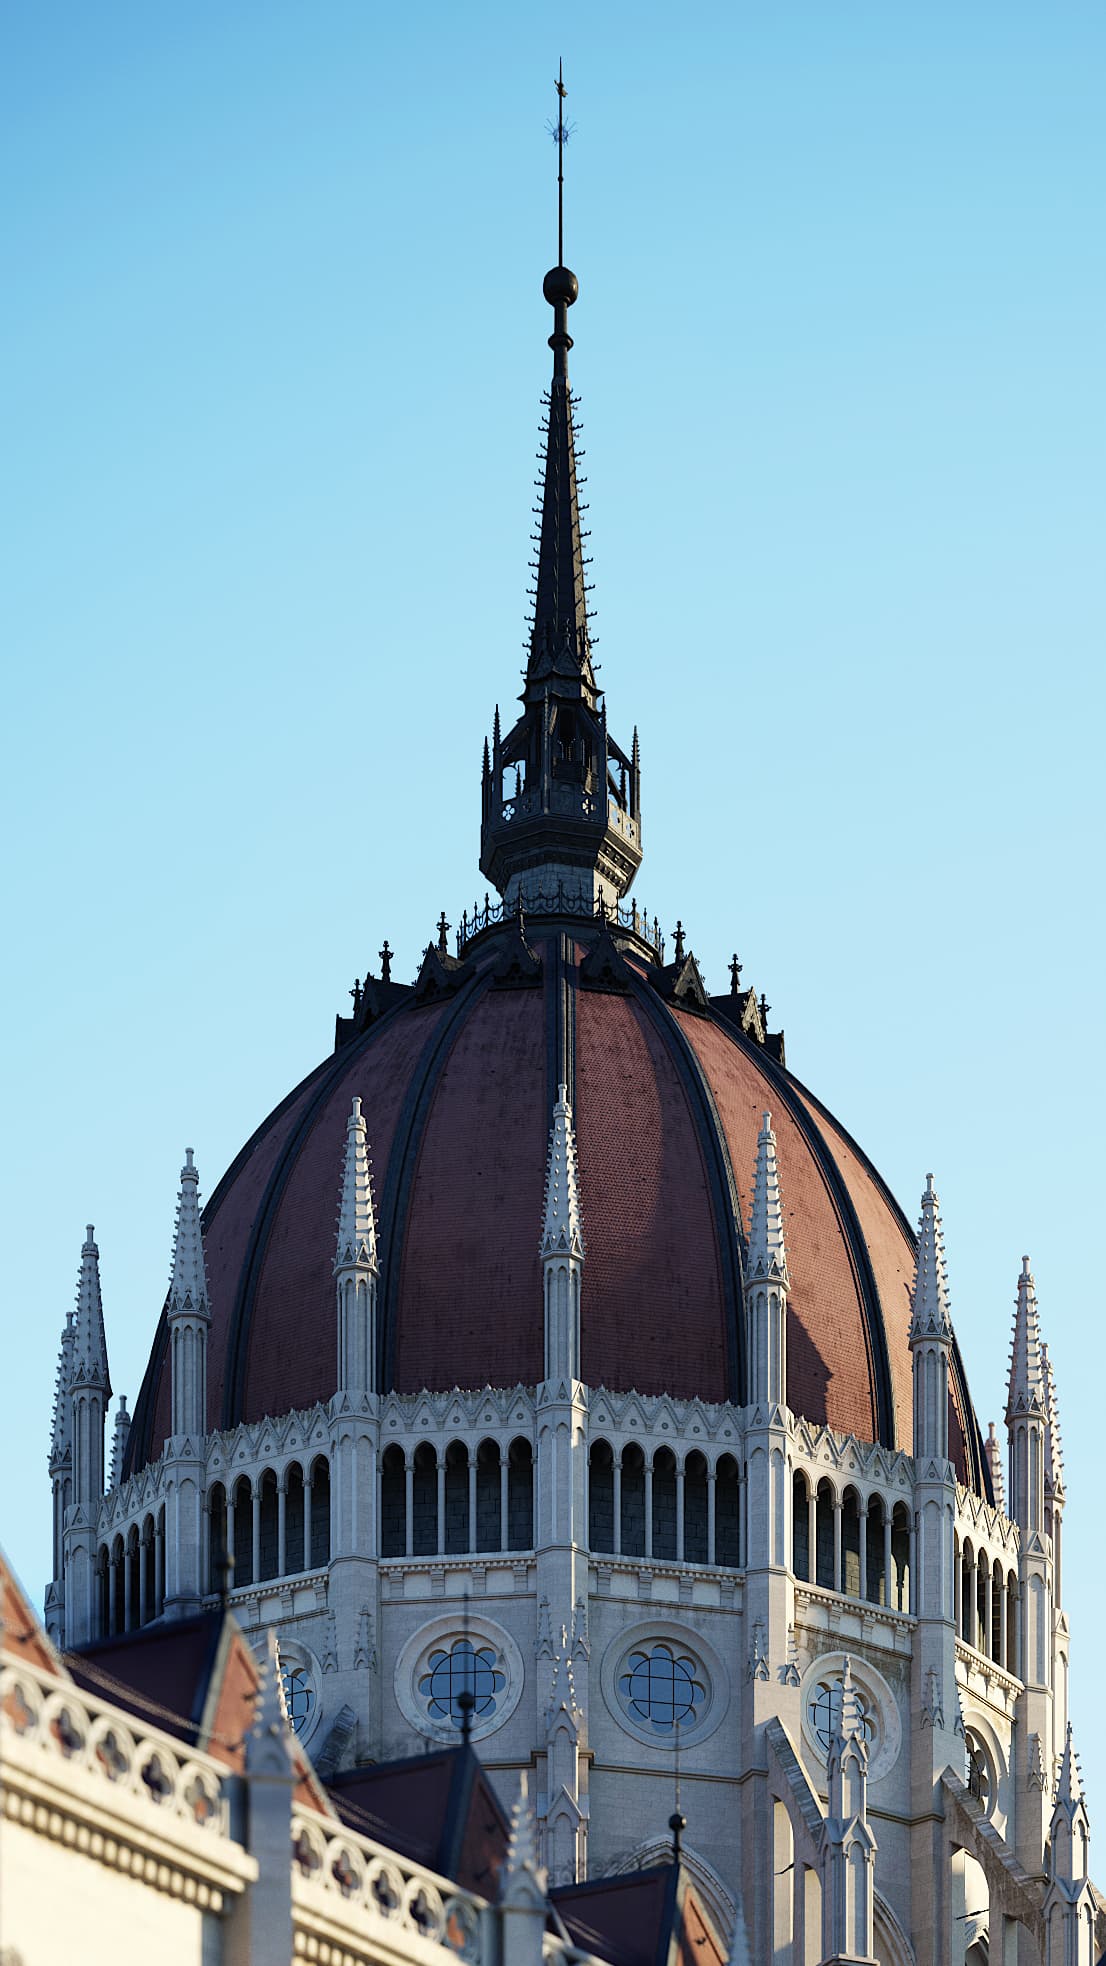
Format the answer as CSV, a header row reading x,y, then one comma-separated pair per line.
x,y
561,800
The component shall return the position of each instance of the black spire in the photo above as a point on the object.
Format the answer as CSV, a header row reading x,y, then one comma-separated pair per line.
x,y
568,819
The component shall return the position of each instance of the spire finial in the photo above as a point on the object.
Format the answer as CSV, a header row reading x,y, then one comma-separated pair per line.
x,y
929,1296
560,287
767,1245
560,138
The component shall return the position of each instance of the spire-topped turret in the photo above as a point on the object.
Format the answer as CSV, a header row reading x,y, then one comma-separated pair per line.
x,y
60,1437
1026,1390
767,1248
188,1282
90,1350
565,823
355,1263
929,1297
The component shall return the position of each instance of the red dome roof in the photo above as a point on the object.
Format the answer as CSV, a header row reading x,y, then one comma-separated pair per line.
x,y
457,1080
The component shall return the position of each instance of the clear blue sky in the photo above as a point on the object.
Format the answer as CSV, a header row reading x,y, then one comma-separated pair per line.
x,y
273,348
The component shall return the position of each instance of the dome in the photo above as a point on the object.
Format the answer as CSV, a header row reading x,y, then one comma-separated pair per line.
x,y
457,1076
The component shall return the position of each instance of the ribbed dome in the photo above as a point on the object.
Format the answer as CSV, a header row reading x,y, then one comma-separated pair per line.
x,y
457,1080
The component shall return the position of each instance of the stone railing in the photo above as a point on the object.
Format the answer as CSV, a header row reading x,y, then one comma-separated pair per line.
x,y
343,1882
75,1772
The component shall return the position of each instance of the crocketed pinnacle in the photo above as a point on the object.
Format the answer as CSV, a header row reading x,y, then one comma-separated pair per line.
x,y
356,1224
1069,1787
992,1447
60,1441
188,1283
560,643
562,1230
90,1351
1026,1393
767,1247
1054,1450
523,1873
929,1297
119,1440
849,1725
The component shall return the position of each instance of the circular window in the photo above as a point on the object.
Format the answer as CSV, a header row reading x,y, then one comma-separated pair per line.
x,y
442,1666
825,1713
462,1669
299,1696
662,1688
665,1684
980,1774
876,1706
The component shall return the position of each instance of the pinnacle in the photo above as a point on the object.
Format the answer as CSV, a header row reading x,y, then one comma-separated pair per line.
x,y
767,1247
1026,1391
188,1281
356,1223
90,1352
1069,1786
993,1450
1054,1450
929,1296
562,1229
59,1437
119,1441
522,1839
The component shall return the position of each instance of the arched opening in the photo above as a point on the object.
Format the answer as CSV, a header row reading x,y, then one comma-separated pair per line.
x,y
243,1532
132,1612
269,1545
489,1496
1013,1649
293,1519
147,1582
520,1496
216,1535
632,1527
824,1540
424,1501
900,1557
800,1526
783,1885
664,1504
102,1608
850,1543
116,1586
159,1562
982,1600
393,1502
320,1512
997,1613
968,1599
727,1514
456,1498
874,1546
601,1496
696,1508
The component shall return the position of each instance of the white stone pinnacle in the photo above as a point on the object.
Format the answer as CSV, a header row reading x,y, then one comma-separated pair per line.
x,y
188,1280
562,1229
356,1223
767,1246
1054,1449
523,1860
1069,1788
1026,1392
60,1436
930,1316
90,1351
993,1450
119,1440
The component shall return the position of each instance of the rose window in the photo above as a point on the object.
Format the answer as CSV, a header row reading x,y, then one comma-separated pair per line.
x,y
662,1688
825,1713
457,1669
299,1696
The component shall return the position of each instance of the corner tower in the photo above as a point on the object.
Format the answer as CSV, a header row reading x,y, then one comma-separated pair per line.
x,y
561,812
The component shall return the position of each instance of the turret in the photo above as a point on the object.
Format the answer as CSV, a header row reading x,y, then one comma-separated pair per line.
x,y
1054,1471
848,1845
930,1336
767,1280
1026,1413
562,1248
89,1381
188,1312
355,1264
1069,1907
88,1396
61,1480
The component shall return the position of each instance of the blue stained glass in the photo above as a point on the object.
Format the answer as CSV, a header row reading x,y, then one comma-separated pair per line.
x,y
462,1668
660,1688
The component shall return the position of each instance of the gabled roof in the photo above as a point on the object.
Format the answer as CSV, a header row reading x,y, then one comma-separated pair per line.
x,y
643,1918
438,1809
21,1633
